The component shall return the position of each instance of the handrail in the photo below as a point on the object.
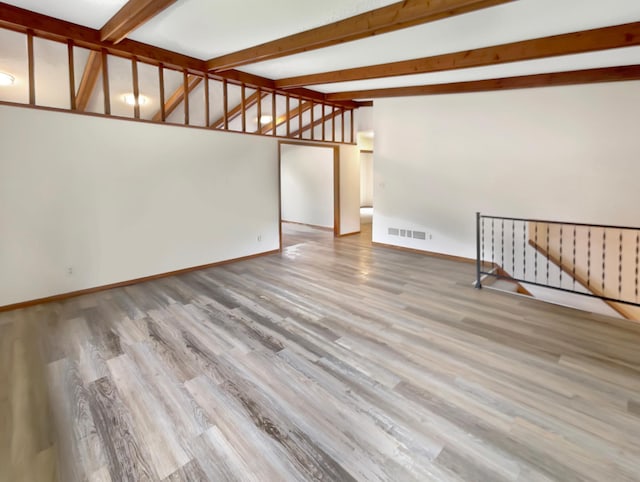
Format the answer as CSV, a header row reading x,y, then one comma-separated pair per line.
x,y
546,221
594,260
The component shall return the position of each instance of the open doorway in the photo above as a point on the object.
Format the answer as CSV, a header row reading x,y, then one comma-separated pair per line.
x,y
309,192
319,191
365,146
366,186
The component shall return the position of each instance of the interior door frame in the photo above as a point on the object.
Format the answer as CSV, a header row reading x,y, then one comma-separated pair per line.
x,y
336,182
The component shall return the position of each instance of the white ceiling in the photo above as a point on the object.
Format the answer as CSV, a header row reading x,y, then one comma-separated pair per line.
x,y
511,22
608,58
92,13
206,29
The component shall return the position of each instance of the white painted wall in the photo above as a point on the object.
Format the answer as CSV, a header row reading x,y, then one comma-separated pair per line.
x,y
364,118
119,200
562,153
307,184
366,179
349,189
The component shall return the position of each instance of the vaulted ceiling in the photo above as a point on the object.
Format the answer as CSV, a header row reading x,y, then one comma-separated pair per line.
x,y
381,44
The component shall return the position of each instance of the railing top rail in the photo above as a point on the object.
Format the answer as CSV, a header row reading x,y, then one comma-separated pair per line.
x,y
545,221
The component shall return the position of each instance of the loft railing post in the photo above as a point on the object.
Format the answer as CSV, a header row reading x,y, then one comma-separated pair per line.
x,y
478,260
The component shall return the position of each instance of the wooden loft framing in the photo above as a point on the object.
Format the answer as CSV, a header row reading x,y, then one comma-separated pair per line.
x,y
101,47
111,40
21,20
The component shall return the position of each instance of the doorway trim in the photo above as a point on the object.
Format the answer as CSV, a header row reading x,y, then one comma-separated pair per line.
x,y
336,182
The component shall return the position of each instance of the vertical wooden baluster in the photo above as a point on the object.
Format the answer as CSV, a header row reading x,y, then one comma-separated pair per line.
x,y
353,126
333,123
225,102
207,114
105,82
299,118
312,119
259,108
185,86
136,88
288,115
342,124
273,113
243,107
163,112
32,68
72,75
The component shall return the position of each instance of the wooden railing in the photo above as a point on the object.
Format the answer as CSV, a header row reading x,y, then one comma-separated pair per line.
x,y
66,66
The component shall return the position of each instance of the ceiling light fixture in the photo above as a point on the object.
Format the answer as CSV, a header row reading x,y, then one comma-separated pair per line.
x,y
6,79
130,99
265,119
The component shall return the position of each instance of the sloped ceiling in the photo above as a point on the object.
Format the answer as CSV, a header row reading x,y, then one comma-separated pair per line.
x,y
206,29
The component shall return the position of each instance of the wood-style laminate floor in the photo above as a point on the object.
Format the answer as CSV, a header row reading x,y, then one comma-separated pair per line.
x,y
331,361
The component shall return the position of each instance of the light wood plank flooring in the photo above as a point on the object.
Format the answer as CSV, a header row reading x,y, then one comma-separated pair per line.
x,y
331,361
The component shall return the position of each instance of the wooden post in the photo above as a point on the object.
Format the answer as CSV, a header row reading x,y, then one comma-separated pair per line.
x,y
72,75
32,70
105,83
136,88
163,112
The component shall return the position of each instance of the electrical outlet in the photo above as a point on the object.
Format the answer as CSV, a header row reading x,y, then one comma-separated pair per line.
x,y
70,271
259,237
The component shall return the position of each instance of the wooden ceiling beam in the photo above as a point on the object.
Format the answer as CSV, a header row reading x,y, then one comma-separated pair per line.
x,y
587,76
237,110
131,16
92,70
382,20
22,20
253,80
566,44
300,109
177,97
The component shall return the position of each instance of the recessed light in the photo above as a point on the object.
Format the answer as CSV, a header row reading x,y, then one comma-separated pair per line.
x,y
131,99
6,79
265,119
